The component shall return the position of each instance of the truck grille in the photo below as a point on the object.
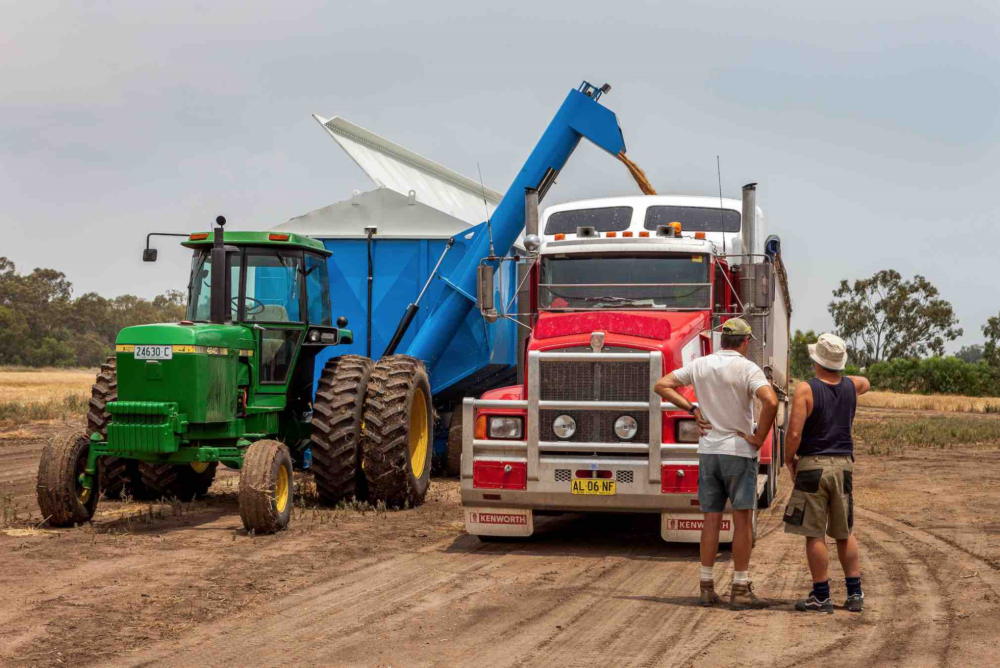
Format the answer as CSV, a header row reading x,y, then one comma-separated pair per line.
x,y
586,381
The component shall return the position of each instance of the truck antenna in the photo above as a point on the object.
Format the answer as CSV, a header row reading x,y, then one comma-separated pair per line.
x,y
722,215
489,227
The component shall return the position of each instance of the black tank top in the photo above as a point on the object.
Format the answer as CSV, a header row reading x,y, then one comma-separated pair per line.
x,y
828,428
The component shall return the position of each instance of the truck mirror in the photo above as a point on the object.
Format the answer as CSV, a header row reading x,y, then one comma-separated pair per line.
x,y
485,293
149,255
341,322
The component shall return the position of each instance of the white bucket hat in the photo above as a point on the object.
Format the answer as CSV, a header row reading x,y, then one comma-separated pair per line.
x,y
829,351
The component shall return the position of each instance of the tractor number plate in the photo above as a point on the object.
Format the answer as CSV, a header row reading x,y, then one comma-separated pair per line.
x,y
593,486
154,352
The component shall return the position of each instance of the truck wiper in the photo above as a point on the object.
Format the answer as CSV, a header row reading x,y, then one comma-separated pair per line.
x,y
620,300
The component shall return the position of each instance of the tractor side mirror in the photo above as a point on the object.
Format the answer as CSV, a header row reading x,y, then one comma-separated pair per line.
x,y
485,293
341,322
149,255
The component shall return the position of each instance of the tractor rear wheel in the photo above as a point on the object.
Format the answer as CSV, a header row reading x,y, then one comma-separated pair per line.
x,y
266,487
398,433
453,463
338,414
119,476
62,499
181,481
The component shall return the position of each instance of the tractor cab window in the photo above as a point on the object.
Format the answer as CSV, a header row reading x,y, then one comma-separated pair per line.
x,y
273,286
318,291
199,308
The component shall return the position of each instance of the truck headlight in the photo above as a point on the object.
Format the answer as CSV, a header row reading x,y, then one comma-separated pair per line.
x,y
505,427
687,431
564,426
626,427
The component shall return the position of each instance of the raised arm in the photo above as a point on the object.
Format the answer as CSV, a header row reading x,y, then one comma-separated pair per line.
x,y
802,405
667,386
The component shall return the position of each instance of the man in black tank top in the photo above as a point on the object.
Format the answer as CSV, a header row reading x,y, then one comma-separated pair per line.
x,y
822,503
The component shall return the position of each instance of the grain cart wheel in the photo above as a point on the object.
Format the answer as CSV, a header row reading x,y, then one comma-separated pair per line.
x,y
397,438
181,481
454,461
117,475
266,487
61,498
338,413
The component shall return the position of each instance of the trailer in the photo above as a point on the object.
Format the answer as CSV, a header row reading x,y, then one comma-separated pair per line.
x,y
622,291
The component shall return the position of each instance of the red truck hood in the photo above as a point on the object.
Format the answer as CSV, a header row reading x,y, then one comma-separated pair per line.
x,y
650,325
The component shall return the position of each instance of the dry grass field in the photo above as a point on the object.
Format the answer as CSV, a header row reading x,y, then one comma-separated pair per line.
x,y
43,394
948,403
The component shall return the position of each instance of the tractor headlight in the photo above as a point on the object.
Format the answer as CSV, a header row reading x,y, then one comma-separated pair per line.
x,y
626,427
313,336
687,431
505,427
564,426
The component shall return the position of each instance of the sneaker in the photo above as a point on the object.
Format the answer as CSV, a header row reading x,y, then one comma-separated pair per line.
x,y
855,602
741,597
813,604
708,595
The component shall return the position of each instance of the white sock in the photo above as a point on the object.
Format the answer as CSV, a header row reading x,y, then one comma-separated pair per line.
x,y
708,573
741,577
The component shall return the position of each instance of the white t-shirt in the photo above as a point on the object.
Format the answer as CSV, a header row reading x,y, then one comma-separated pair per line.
x,y
725,383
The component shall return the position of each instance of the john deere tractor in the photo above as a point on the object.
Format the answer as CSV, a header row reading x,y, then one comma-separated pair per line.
x,y
233,384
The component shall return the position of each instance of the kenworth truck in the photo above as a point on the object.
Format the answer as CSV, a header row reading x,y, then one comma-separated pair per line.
x,y
622,291
232,384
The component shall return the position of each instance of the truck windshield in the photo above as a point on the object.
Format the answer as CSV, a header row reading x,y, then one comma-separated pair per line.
x,y
655,281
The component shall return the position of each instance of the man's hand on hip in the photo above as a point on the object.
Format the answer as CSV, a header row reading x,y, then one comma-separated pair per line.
x,y
792,467
704,426
753,439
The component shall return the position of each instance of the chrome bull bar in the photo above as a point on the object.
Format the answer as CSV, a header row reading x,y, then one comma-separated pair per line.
x,y
531,447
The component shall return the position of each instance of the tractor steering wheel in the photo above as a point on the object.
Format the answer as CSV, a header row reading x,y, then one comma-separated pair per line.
x,y
256,306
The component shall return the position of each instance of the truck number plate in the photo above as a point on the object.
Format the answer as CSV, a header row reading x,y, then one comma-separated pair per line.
x,y
154,352
593,486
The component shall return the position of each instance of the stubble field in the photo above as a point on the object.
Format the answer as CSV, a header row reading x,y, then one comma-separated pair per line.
x,y
182,584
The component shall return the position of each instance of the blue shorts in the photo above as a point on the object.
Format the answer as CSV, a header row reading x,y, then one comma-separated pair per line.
x,y
726,477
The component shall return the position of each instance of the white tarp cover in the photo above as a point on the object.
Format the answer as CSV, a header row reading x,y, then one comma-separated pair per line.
x,y
399,169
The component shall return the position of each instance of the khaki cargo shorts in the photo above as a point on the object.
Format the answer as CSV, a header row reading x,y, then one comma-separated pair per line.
x,y
823,500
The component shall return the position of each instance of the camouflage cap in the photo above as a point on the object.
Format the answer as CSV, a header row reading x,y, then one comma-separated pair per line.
x,y
736,327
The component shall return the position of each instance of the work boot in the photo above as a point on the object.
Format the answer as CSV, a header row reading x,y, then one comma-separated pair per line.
x,y
741,597
855,602
814,604
708,596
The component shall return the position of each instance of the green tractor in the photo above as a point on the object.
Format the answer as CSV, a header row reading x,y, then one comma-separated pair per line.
x,y
233,384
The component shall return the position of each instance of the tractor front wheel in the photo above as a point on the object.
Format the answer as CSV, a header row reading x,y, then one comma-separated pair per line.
x,y
63,500
398,433
338,413
266,487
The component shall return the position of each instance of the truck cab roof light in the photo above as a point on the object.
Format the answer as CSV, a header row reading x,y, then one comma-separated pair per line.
x,y
277,237
610,235
699,235
198,236
626,234
560,237
677,228
644,233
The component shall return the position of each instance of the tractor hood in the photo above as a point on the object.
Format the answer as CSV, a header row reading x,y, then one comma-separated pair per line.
x,y
200,334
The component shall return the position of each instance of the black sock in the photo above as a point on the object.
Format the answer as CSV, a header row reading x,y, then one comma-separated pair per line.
x,y
853,585
821,590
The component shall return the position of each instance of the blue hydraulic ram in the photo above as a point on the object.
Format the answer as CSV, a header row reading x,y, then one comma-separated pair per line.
x,y
580,116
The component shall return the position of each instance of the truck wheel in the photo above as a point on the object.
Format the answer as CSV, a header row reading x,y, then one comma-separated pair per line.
x,y
454,460
396,441
62,499
266,487
181,481
118,475
338,413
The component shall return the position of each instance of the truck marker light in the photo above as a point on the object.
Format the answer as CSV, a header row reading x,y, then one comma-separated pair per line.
x,y
560,237
499,475
626,234
610,235
644,234
699,235
480,432
677,228
277,237
198,236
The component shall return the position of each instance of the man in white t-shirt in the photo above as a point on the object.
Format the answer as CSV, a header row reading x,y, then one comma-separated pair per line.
x,y
725,384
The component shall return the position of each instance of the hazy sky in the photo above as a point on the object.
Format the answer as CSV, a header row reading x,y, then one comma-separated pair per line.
x,y
873,128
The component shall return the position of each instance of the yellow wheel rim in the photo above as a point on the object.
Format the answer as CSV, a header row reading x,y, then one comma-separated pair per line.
x,y
84,495
419,438
199,467
281,489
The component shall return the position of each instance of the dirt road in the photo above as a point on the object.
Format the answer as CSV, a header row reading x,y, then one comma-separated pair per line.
x,y
183,585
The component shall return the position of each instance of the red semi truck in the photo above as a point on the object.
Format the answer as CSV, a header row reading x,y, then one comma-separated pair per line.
x,y
621,291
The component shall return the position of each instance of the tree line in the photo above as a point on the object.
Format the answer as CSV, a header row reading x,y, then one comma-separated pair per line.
x,y
895,331
41,324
